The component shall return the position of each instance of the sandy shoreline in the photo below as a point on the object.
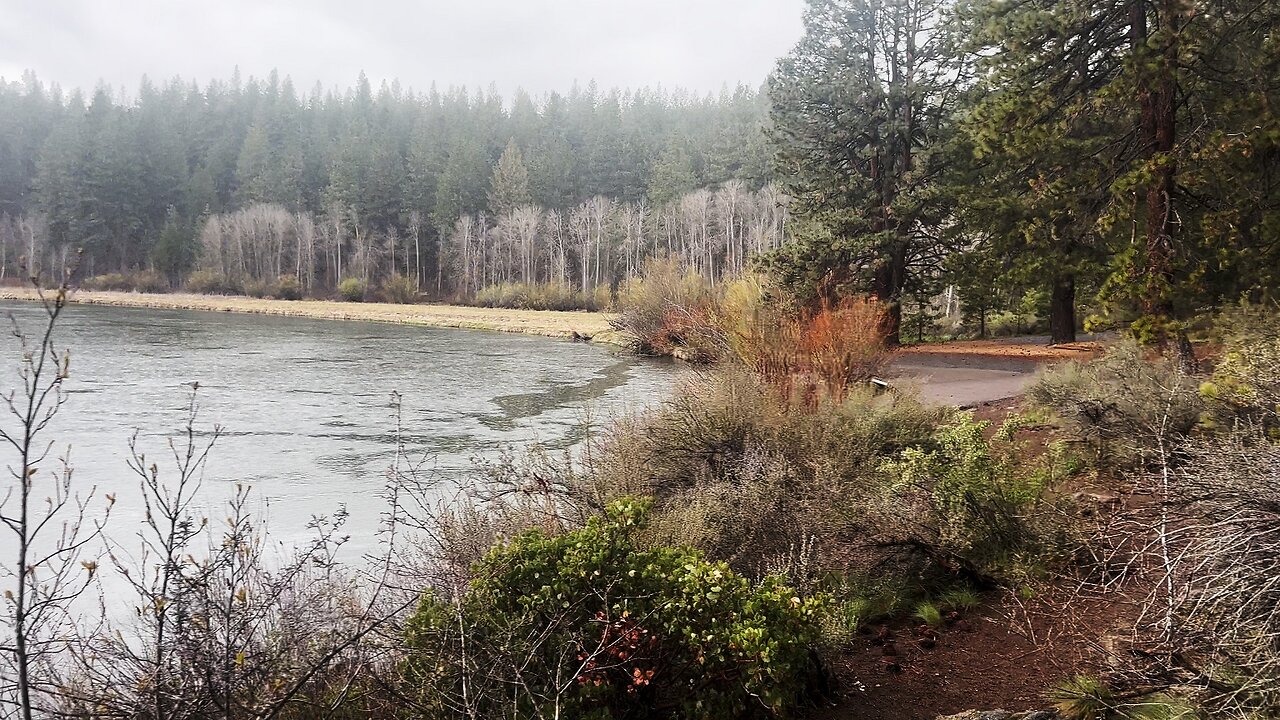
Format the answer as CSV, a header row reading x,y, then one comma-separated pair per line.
x,y
547,323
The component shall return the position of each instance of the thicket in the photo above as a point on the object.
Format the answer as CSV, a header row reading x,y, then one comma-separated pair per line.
x,y
1193,546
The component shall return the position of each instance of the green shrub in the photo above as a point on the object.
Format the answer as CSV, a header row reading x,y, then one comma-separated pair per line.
x,y
288,288
209,282
972,505
587,625
400,289
1244,388
351,290
1122,405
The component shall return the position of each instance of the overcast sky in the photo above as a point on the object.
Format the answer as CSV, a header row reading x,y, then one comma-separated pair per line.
x,y
542,45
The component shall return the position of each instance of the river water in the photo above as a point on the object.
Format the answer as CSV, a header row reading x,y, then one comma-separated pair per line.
x,y
306,407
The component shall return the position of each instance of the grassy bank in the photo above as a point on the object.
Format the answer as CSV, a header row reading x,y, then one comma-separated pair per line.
x,y
530,322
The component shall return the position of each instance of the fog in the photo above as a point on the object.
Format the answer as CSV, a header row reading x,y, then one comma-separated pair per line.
x,y
540,45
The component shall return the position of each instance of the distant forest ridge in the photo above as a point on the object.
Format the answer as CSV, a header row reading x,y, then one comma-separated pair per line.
x,y
389,172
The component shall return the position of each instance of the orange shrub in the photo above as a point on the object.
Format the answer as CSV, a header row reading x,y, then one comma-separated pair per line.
x,y
829,349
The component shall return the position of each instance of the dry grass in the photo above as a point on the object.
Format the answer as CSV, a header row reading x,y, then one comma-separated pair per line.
x,y
529,322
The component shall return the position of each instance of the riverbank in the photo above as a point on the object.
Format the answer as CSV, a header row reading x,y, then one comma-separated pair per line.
x,y
547,323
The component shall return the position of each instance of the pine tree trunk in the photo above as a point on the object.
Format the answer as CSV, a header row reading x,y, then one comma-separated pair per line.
x,y
1062,310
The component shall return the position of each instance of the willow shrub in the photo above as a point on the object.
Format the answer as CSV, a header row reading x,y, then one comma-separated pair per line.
x,y
352,290
586,625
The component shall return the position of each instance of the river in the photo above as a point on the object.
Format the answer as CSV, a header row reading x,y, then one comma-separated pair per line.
x,y
306,407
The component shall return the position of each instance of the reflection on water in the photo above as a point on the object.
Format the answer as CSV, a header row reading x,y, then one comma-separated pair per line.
x,y
306,406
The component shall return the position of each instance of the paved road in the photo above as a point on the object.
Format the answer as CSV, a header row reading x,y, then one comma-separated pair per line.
x,y
960,380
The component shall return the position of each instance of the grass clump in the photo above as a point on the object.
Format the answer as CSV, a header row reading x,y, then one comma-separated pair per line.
x,y
929,614
542,296
960,599
1083,697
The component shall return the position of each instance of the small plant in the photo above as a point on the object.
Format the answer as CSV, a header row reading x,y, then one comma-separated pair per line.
x,y
400,289
351,290
961,599
929,614
1083,697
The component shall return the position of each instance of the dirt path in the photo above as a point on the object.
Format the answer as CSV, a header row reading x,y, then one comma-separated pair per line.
x,y
530,322
969,373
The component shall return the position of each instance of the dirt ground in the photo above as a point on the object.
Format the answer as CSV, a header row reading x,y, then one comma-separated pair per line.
x,y
532,322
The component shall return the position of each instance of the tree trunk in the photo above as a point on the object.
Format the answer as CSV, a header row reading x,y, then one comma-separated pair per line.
x,y
1062,310
1157,95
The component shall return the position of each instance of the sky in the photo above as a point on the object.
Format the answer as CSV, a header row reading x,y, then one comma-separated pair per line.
x,y
540,45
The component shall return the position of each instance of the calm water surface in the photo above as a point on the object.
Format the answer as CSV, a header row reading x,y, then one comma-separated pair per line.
x,y
305,406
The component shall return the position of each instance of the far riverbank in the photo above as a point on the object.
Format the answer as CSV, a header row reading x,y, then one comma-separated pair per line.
x,y
547,323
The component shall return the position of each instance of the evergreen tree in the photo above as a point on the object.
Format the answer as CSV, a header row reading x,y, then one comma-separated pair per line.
x,y
859,111
509,186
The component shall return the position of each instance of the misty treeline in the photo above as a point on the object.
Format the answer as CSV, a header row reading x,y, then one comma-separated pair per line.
x,y
380,174
594,244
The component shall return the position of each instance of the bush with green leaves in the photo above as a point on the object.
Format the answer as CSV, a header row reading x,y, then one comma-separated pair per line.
x,y
587,625
972,505
1244,388
351,290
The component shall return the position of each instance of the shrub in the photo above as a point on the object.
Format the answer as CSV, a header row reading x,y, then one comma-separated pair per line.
x,y
288,288
1121,406
668,310
257,288
109,281
827,350
745,477
1245,385
585,624
970,505
209,282
351,290
146,281
400,289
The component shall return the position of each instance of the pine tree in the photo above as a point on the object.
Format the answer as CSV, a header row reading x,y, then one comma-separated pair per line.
x,y
509,186
859,110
